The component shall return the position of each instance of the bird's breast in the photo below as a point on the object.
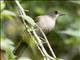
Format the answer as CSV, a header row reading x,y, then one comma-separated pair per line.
x,y
46,23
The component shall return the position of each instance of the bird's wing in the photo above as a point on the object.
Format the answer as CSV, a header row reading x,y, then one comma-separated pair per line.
x,y
37,19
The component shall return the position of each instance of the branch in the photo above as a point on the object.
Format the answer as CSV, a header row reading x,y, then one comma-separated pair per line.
x,y
40,44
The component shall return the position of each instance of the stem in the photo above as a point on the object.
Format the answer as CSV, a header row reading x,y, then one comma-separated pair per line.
x,y
47,42
41,45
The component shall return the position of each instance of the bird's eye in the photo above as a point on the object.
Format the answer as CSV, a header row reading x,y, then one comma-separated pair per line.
x,y
56,12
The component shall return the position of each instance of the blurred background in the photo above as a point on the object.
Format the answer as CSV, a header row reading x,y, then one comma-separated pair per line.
x,y
65,37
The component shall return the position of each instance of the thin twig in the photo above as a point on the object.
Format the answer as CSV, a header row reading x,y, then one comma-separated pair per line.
x,y
41,45
17,46
47,42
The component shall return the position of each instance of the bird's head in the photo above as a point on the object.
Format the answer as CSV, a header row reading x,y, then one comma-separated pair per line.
x,y
55,14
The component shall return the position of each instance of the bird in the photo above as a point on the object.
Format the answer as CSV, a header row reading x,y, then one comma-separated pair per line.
x,y
47,22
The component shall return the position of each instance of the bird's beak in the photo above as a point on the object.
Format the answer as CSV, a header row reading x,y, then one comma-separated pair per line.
x,y
62,14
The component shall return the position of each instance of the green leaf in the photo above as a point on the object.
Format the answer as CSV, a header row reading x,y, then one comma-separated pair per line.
x,y
7,15
7,46
10,54
28,19
75,33
6,43
7,12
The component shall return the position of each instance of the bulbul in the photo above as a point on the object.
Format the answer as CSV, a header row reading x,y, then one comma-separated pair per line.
x,y
47,22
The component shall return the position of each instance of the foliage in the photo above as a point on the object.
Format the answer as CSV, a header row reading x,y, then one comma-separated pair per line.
x,y
7,46
64,39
